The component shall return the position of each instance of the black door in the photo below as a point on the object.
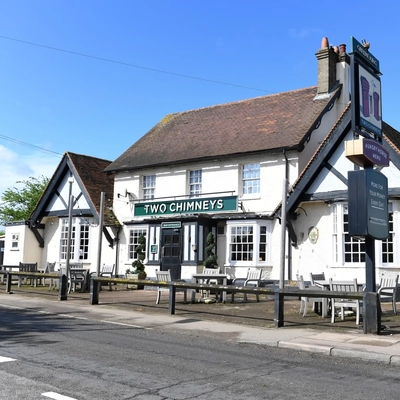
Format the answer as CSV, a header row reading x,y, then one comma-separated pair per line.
x,y
171,252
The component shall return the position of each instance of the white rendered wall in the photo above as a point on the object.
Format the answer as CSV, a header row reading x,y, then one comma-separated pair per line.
x,y
28,250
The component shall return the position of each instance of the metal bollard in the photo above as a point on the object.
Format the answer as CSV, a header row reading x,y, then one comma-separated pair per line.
x,y
63,288
94,291
278,309
172,291
8,282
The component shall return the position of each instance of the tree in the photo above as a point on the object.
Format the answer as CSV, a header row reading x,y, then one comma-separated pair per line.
x,y
18,204
211,260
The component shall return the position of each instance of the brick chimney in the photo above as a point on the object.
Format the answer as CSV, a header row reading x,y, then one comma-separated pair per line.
x,y
327,58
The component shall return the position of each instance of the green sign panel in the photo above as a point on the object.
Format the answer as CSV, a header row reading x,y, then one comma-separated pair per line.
x,y
171,225
191,206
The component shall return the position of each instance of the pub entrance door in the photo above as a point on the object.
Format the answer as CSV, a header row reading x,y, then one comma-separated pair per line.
x,y
171,252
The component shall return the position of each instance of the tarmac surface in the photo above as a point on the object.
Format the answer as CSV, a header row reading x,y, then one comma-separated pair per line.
x,y
249,321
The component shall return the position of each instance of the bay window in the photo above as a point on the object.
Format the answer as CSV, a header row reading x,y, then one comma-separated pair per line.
x,y
351,250
248,243
80,239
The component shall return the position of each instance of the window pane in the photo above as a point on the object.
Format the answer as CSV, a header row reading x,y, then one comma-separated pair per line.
x,y
241,243
262,253
251,178
354,249
80,239
195,183
149,185
387,245
134,235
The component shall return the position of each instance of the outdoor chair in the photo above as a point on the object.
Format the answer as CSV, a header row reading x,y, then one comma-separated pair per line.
x,y
344,286
305,300
51,268
44,270
77,277
313,278
253,279
40,281
210,271
388,288
107,271
26,267
317,277
165,276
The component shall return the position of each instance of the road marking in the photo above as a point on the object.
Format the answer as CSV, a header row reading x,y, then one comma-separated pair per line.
x,y
6,359
57,396
71,316
123,324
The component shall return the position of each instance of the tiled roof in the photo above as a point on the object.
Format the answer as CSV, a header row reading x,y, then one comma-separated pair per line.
x,y
392,136
91,172
264,123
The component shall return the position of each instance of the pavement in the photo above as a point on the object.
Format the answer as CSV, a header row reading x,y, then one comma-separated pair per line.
x,y
249,322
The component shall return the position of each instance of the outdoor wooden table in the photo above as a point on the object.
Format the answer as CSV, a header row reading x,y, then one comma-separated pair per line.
x,y
201,278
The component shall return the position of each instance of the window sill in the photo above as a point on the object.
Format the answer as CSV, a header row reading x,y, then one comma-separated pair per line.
x,y
250,197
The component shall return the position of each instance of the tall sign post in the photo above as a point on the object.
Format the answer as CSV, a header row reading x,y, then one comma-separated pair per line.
x,y
367,188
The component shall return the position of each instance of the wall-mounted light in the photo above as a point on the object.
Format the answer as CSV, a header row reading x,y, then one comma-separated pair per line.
x,y
194,247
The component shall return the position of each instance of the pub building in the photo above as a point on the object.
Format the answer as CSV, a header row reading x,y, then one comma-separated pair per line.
x,y
227,169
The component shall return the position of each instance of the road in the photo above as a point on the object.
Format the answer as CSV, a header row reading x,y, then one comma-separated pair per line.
x,y
65,356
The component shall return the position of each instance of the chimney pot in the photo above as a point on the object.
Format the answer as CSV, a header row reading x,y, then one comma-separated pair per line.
x,y
324,43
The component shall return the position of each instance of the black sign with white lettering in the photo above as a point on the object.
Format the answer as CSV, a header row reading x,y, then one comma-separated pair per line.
x,y
368,204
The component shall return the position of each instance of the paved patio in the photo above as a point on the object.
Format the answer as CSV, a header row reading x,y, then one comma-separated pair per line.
x,y
248,313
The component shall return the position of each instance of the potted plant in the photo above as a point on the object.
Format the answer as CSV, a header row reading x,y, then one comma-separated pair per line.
x,y
137,271
211,260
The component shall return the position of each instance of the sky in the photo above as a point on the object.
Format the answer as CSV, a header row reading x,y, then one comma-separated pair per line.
x,y
93,76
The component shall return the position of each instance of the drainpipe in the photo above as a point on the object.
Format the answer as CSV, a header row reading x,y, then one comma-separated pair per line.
x,y
283,224
289,259
117,251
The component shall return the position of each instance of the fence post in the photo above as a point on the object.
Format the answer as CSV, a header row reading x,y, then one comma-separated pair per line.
x,y
8,282
63,288
172,291
371,313
278,309
94,291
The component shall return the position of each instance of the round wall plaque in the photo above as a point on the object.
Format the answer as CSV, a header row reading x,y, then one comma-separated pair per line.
x,y
313,234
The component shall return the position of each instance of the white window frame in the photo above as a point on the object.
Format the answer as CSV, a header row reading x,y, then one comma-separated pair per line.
x,y
195,180
15,241
393,240
339,237
148,187
251,179
261,230
81,241
133,237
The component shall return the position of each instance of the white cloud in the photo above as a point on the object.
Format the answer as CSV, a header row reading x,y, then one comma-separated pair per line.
x,y
15,167
302,34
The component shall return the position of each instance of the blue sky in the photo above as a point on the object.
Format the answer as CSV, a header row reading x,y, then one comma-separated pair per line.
x,y
93,76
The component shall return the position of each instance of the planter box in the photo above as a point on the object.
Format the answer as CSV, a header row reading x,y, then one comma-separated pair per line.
x,y
135,276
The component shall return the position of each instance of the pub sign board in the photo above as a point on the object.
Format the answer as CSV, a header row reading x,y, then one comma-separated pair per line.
x,y
368,204
191,206
366,91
